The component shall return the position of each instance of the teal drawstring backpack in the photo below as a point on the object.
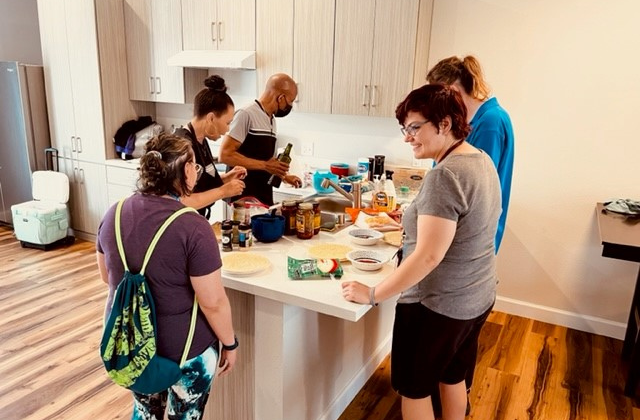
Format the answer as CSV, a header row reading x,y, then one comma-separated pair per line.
x,y
128,346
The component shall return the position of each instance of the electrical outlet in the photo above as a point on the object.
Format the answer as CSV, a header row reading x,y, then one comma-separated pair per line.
x,y
307,148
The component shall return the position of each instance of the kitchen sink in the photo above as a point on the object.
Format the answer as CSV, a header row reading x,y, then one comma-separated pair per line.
x,y
333,204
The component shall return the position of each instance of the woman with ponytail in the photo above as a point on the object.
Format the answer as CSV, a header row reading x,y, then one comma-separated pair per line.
x,y
213,111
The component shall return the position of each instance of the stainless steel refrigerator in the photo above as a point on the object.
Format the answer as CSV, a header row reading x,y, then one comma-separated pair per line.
x,y
24,132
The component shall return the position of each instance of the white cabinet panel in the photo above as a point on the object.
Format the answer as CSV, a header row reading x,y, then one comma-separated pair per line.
x,y
72,78
153,33
87,198
219,24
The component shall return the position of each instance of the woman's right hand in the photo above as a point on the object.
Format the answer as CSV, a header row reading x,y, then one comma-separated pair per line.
x,y
227,361
233,188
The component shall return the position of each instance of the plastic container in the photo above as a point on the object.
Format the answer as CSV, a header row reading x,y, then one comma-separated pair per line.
x,y
340,169
318,176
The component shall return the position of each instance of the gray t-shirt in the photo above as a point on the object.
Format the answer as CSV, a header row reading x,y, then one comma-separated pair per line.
x,y
464,188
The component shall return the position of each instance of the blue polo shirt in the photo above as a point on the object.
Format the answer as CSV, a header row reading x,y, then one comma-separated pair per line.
x,y
491,131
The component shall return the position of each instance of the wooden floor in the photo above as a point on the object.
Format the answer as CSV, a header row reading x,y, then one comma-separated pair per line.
x,y
51,306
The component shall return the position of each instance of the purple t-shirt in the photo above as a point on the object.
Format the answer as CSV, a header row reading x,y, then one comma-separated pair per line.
x,y
187,248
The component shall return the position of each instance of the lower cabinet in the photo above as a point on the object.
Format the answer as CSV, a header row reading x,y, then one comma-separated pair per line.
x,y
87,198
121,180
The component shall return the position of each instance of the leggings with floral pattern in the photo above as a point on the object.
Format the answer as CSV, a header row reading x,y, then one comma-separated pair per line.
x,y
184,400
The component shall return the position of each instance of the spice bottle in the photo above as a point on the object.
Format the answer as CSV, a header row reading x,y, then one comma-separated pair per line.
x,y
316,217
244,236
304,221
289,208
227,233
235,224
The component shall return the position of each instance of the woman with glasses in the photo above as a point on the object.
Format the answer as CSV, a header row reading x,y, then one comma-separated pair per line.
x,y
185,262
447,278
212,113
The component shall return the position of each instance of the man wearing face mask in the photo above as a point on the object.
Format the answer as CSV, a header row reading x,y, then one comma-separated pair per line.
x,y
251,141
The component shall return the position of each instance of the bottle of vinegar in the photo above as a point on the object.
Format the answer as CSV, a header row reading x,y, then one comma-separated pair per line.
x,y
285,157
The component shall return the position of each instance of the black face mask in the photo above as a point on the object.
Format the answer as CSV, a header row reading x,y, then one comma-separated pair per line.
x,y
283,112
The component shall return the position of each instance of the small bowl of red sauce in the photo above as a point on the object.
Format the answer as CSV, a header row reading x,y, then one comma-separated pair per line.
x,y
367,260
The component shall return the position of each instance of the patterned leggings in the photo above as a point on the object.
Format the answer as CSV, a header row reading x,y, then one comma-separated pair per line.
x,y
185,400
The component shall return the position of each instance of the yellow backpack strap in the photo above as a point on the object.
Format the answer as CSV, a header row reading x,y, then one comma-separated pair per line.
x,y
119,235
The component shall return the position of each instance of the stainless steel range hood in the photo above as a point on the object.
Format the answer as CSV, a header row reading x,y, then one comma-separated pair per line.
x,y
214,59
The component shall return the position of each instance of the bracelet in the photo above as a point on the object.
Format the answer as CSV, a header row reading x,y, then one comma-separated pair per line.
x,y
232,346
372,296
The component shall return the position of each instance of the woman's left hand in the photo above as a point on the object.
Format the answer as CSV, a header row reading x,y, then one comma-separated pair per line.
x,y
355,291
238,172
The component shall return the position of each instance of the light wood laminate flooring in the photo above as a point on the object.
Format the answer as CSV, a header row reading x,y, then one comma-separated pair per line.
x,y
51,306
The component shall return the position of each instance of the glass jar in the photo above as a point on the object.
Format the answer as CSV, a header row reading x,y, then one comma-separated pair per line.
x,y
304,221
235,224
289,209
239,211
244,236
316,216
227,236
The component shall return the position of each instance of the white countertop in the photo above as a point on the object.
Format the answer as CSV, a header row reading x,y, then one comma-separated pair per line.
x,y
319,295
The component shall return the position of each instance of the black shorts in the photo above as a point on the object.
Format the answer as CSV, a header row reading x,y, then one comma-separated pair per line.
x,y
429,348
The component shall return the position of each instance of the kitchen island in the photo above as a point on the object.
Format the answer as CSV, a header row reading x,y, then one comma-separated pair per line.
x,y
304,351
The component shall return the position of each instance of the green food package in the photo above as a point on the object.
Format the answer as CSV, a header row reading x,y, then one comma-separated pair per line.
x,y
301,269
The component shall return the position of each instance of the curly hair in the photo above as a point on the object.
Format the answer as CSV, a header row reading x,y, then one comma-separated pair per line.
x,y
435,103
467,70
162,165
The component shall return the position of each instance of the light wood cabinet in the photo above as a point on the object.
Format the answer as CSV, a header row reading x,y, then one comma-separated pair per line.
x,y
308,59
219,24
87,200
72,78
375,43
153,33
313,27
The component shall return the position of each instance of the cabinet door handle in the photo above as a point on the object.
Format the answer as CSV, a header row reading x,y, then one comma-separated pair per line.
x,y
79,144
365,99
374,90
81,176
220,31
75,174
159,85
73,144
213,31
151,86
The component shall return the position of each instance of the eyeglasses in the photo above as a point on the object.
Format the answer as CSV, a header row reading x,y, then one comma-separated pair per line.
x,y
412,129
199,169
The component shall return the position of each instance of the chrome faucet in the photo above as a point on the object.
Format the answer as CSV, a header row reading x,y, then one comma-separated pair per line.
x,y
356,191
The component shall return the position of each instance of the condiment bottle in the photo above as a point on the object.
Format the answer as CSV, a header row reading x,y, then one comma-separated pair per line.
x,y
244,236
304,221
316,216
227,235
289,209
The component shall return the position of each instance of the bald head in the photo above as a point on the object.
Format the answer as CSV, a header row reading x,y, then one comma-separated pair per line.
x,y
282,84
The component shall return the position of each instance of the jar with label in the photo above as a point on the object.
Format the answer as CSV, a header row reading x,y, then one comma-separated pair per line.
x,y
239,211
304,221
235,224
244,236
289,209
316,216
227,233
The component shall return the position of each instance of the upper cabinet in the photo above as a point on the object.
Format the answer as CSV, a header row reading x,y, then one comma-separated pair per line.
x,y
348,57
72,78
219,24
296,37
153,33
313,54
375,44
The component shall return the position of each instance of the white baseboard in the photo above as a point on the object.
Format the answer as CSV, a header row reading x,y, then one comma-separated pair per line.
x,y
561,317
343,400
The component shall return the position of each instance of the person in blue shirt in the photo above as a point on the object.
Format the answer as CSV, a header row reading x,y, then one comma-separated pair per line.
x,y
491,128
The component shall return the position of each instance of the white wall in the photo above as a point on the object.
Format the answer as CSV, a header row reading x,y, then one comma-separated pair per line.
x,y
567,72
19,31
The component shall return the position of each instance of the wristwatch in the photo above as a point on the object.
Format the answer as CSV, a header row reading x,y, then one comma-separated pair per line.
x,y
232,346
